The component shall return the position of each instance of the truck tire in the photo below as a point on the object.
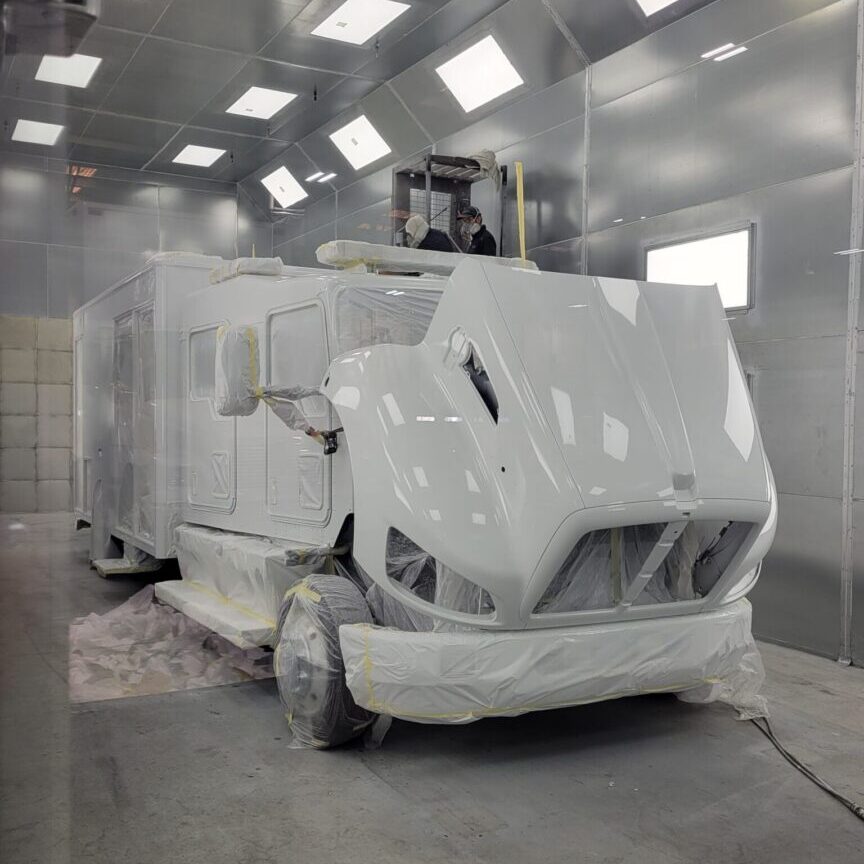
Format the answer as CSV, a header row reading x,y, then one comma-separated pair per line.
x,y
308,663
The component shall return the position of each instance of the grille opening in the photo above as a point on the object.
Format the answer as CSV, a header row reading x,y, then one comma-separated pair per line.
x,y
604,564
432,581
480,379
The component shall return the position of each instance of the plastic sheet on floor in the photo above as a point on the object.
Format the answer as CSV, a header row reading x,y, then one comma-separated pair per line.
x,y
143,648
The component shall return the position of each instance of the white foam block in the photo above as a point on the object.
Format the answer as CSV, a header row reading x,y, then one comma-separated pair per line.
x,y
17,332
54,334
17,431
54,431
54,398
18,496
53,496
54,463
17,463
54,367
18,365
18,399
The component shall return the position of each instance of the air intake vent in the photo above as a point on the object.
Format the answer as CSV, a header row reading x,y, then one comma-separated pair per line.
x,y
612,567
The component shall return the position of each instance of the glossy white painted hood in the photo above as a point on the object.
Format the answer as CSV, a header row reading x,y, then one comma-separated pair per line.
x,y
618,403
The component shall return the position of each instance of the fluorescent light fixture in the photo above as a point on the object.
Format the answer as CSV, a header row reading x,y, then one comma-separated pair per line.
x,y
715,51
734,53
74,71
193,154
616,221
357,21
360,143
34,132
723,259
649,7
283,187
327,177
315,176
261,102
849,252
479,74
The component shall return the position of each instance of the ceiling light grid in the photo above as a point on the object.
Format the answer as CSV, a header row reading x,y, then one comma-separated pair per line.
x,y
360,143
261,103
195,154
479,74
357,21
283,186
35,132
74,71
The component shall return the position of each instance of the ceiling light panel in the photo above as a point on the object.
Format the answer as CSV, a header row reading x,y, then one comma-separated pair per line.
x,y
314,177
74,71
33,132
720,50
261,102
283,187
357,21
193,154
479,74
649,7
360,143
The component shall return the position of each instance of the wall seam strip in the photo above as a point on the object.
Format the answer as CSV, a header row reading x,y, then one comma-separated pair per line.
x,y
856,237
586,179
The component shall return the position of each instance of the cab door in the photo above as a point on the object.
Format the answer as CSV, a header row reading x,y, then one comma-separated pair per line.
x,y
211,440
298,474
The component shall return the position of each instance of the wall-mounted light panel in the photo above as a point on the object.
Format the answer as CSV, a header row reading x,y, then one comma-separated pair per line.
x,y
284,188
722,259
357,21
360,143
34,132
650,7
194,154
261,102
479,74
74,71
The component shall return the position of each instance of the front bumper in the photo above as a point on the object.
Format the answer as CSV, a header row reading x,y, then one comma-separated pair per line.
x,y
462,676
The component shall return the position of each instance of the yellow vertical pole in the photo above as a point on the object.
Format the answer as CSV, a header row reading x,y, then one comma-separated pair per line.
x,y
520,206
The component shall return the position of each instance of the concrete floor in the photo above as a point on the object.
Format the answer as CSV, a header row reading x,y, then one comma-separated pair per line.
x,y
206,776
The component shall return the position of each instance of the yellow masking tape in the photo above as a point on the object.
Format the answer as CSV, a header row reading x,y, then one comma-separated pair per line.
x,y
204,589
520,205
301,589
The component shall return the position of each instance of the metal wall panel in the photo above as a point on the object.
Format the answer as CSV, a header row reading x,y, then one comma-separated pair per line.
x,y
682,43
561,257
301,250
317,214
77,274
800,286
106,214
366,191
704,134
27,198
858,583
254,229
553,163
797,598
798,395
197,222
371,224
23,279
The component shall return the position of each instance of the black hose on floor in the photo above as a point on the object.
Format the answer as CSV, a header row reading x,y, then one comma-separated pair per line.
x,y
768,732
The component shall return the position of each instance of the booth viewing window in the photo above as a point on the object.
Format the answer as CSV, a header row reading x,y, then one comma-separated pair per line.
x,y
724,259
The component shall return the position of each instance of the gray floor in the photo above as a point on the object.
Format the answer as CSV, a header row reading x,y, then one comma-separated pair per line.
x,y
205,776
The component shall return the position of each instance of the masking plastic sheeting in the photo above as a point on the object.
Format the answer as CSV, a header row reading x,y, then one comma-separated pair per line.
x,y
234,583
388,313
463,676
142,648
246,266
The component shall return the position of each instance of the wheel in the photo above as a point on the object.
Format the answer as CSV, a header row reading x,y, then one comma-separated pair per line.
x,y
308,661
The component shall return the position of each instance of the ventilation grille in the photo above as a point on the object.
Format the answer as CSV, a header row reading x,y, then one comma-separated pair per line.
x,y
607,568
